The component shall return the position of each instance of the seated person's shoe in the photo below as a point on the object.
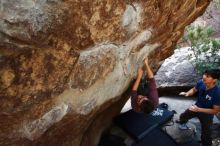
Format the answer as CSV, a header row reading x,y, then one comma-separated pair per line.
x,y
184,127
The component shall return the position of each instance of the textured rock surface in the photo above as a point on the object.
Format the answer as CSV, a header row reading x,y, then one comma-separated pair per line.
x,y
181,136
177,71
212,17
65,64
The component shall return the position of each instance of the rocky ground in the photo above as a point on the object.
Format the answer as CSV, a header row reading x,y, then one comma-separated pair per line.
x,y
179,104
216,142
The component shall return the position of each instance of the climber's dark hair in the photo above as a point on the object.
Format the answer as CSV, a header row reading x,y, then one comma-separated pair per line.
x,y
147,106
214,73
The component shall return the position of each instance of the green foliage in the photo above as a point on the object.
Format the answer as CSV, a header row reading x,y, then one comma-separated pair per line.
x,y
205,49
218,2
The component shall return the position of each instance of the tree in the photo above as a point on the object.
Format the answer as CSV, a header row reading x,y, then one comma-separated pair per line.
x,y
206,50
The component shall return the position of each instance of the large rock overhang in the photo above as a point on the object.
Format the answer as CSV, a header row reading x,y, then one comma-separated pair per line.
x,y
66,65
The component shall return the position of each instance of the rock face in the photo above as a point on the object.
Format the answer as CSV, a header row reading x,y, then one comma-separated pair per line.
x,y
212,17
65,65
177,72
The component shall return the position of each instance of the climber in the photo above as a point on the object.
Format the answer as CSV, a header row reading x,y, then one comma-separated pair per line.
x,y
144,101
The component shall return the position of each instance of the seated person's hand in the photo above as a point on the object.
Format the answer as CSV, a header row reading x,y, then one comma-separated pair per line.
x,y
183,93
194,108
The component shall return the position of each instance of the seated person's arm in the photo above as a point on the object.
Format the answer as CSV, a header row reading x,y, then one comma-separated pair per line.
x,y
189,93
213,110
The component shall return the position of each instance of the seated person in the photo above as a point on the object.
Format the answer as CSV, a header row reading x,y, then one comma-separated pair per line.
x,y
144,103
207,104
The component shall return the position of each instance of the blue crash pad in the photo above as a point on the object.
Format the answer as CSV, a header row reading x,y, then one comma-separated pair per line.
x,y
156,137
137,125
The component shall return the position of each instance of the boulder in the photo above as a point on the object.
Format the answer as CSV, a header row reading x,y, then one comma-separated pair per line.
x,y
212,18
66,65
177,73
